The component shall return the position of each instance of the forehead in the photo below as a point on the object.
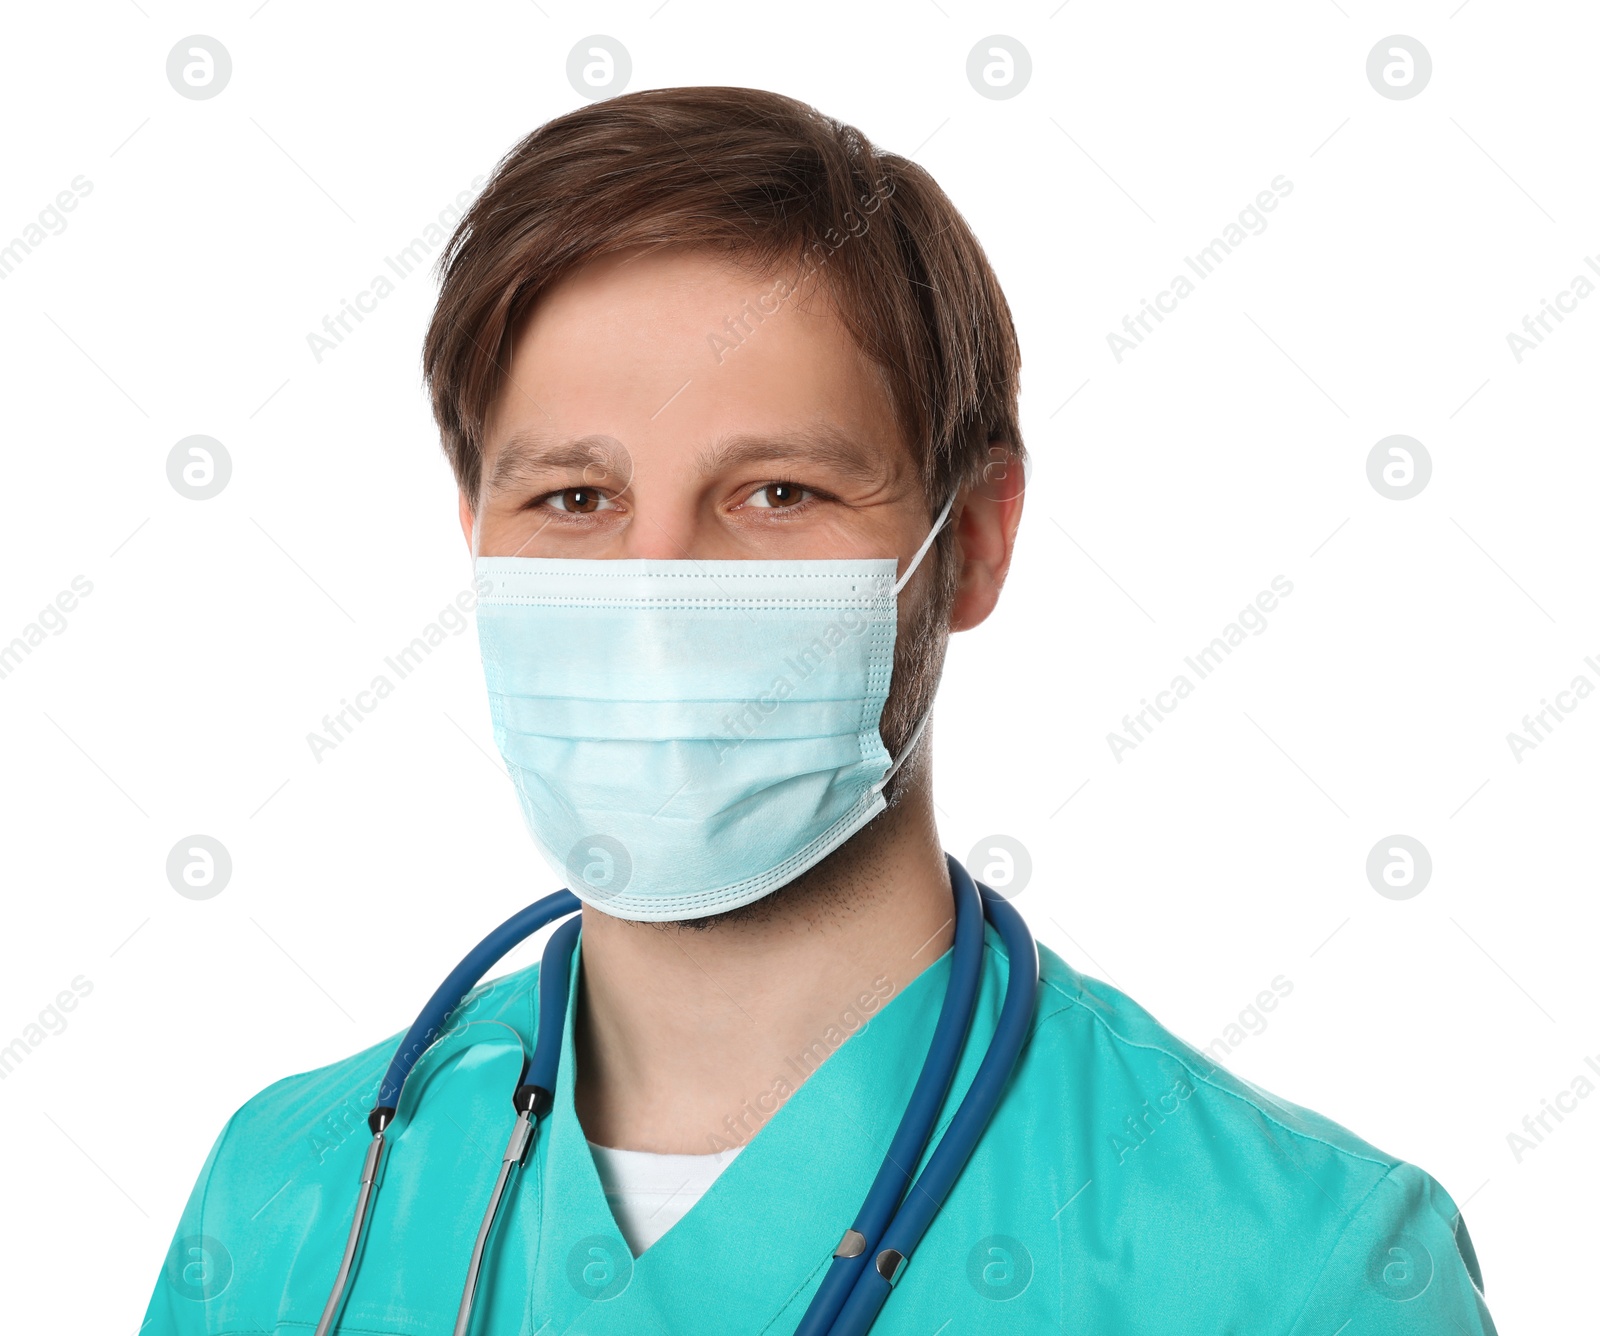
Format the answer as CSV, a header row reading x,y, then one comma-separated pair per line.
x,y
679,353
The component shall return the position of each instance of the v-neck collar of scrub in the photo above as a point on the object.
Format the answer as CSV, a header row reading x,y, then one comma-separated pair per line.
x,y
766,1228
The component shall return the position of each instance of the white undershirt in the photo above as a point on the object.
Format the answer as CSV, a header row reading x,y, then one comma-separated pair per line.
x,y
648,1194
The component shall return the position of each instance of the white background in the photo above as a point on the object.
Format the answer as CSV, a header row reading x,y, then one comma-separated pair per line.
x,y
1166,491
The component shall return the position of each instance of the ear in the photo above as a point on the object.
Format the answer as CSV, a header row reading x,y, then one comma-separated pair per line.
x,y
986,532
466,521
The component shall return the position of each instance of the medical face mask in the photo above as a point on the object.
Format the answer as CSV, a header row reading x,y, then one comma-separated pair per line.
x,y
688,736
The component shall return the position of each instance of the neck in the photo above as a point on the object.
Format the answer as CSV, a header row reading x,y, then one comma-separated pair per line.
x,y
690,1038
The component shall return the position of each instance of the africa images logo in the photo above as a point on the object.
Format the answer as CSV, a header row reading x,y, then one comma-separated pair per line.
x,y
739,727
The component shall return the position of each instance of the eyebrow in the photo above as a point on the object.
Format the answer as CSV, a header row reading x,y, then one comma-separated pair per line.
x,y
532,454
821,444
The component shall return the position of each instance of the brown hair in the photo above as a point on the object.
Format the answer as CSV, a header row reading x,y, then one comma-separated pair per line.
x,y
766,179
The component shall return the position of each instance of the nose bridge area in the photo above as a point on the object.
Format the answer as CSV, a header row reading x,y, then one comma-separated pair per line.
x,y
671,519
657,534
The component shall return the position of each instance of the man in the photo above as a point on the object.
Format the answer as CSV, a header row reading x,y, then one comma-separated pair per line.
x,y
700,354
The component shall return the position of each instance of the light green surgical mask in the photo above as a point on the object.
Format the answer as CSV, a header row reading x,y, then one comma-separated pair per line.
x,y
688,736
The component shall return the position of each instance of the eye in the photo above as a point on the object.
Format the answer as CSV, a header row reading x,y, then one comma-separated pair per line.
x,y
579,500
778,496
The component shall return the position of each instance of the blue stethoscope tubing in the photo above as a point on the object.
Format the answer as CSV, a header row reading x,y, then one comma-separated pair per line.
x,y
855,1250
927,1195
462,980
892,1220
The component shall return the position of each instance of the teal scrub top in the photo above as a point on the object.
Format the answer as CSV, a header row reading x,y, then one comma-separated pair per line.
x,y
1126,1184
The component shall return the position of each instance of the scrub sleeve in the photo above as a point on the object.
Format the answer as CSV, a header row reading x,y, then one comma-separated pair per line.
x,y
1404,1266
196,1270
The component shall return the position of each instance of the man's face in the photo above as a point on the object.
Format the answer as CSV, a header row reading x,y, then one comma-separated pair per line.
x,y
620,433
657,407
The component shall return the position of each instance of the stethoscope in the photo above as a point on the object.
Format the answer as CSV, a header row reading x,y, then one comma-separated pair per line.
x,y
874,1252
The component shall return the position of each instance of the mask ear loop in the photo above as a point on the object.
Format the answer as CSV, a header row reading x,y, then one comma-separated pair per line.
x,y
927,542
922,723
477,519
906,751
